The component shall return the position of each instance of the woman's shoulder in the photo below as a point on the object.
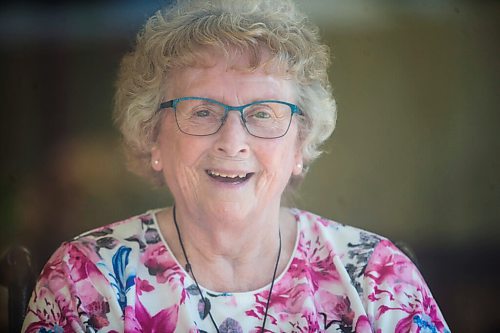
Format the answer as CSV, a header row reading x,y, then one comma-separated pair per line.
x,y
345,238
356,249
350,247
314,226
126,237
120,230
88,278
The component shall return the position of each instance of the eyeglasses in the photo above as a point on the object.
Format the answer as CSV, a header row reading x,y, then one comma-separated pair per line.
x,y
267,119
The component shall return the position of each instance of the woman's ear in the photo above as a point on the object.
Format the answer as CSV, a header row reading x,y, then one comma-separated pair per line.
x,y
298,168
156,159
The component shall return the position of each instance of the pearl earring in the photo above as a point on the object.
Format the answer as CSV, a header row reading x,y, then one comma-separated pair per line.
x,y
299,165
156,162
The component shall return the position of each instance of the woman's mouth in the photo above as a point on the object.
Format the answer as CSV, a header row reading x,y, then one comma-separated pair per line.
x,y
227,177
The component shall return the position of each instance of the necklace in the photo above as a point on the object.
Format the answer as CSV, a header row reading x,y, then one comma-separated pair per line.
x,y
189,269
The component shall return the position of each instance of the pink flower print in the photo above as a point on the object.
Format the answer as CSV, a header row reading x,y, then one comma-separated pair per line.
x,y
86,291
49,319
324,222
56,280
59,313
87,247
421,306
297,298
312,217
142,285
54,273
426,308
93,304
288,300
315,264
363,325
80,265
312,323
159,263
379,293
287,297
336,307
97,311
308,323
388,265
431,310
139,320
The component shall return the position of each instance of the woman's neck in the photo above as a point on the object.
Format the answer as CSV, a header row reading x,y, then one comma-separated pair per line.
x,y
229,236
224,254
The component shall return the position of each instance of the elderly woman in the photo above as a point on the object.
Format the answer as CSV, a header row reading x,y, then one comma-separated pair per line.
x,y
226,103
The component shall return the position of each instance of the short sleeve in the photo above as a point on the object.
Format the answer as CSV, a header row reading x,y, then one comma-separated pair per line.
x,y
396,297
70,294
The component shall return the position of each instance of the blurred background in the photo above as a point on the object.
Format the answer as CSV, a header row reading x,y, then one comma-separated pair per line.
x,y
415,155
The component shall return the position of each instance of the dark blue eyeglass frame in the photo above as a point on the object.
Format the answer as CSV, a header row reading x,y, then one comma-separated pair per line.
x,y
227,108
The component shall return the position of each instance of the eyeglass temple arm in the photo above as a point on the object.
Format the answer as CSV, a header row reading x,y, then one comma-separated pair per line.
x,y
166,105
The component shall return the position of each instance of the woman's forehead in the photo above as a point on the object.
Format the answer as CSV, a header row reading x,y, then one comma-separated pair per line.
x,y
221,83
234,59
209,69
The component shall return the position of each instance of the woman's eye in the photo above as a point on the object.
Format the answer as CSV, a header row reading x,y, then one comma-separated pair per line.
x,y
262,115
260,112
201,113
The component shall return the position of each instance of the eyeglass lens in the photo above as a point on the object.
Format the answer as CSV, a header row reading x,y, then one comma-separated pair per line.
x,y
203,117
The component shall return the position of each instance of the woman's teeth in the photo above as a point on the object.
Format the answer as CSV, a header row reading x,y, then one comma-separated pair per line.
x,y
228,177
218,174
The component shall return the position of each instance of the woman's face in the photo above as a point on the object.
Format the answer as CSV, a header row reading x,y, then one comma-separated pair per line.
x,y
229,173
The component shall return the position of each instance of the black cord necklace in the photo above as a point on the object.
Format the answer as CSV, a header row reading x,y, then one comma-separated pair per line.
x,y
189,269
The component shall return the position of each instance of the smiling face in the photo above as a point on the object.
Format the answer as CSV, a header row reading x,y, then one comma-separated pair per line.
x,y
229,174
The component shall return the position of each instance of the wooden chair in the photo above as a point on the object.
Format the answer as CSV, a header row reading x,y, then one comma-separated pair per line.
x,y
16,273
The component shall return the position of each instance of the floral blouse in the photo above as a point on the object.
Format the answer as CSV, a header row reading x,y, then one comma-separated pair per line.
x,y
124,278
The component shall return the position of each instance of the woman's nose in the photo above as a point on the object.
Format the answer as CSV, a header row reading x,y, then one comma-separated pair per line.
x,y
232,138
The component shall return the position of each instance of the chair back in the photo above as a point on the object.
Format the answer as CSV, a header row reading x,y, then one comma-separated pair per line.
x,y
16,273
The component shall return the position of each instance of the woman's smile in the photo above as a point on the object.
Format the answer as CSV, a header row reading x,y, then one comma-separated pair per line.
x,y
231,177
